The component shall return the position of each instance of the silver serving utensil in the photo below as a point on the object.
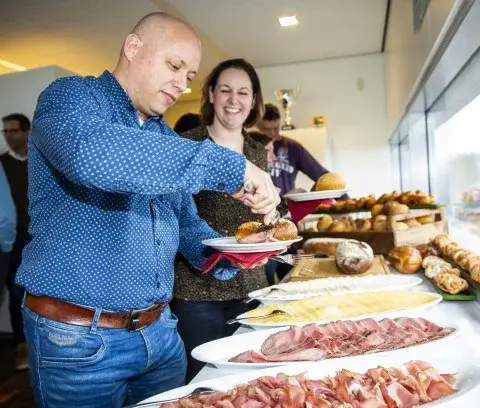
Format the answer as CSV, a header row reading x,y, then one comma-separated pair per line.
x,y
196,391
250,188
239,319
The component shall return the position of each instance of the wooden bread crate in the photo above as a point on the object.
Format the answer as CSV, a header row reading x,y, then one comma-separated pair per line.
x,y
383,241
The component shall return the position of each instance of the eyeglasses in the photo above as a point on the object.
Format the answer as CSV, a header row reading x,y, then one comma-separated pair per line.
x,y
5,131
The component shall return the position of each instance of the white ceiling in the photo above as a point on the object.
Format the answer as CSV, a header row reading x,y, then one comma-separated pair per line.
x,y
85,36
326,29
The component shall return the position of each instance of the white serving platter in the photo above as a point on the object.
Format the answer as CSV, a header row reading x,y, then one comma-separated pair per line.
x,y
230,244
287,292
467,374
315,195
218,352
436,298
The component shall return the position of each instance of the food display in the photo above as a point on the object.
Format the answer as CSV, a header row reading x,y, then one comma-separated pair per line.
x,y
405,259
323,246
409,385
253,232
344,338
465,259
353,257
346,284
339,306
408,199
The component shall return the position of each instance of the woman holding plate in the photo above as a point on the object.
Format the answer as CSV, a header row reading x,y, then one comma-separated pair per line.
x,y
231,102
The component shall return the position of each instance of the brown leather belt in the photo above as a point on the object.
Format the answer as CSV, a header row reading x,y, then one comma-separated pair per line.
x,y
64,312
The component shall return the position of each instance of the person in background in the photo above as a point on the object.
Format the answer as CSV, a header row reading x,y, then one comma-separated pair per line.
x,y
16,128
187,121
231,101
8,221
291,156
111,205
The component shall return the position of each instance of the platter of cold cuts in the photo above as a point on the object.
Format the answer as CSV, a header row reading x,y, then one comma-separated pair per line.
x,y
361,382
341,339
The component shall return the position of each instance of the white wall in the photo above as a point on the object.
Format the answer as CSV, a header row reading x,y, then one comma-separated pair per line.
x,y
407,51
19,91
351,93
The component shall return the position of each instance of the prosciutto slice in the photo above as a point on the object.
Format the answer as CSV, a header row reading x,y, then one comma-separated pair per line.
x,y
343,338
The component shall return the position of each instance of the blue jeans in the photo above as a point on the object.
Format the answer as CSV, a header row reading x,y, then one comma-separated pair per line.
x,y
85,366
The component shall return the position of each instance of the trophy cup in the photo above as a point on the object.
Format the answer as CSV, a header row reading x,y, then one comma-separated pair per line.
x,y
287,98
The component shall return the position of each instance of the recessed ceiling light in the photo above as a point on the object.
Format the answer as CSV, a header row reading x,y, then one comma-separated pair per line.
x,y
288,21
187,90
11,65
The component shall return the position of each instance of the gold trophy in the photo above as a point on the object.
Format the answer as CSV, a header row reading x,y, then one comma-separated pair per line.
x,y
287,98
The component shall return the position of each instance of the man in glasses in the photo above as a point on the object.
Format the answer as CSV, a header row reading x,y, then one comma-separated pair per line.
x,y
16,128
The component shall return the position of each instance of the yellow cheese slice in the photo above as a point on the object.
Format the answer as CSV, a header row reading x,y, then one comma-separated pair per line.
x,y
342,306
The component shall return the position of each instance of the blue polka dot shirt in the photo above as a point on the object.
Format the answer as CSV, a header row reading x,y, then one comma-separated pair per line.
x,y
111,200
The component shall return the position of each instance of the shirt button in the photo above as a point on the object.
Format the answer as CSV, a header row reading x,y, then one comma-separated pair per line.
x,y
158,284
158,242
221,186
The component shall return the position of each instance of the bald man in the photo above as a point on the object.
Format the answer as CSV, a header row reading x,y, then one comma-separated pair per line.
x,y
111,204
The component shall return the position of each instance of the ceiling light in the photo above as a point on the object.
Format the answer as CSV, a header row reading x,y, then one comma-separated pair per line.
x,y
187,90
11,65
288,21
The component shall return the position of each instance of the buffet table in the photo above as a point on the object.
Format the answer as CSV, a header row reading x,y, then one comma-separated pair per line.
x,y
465,315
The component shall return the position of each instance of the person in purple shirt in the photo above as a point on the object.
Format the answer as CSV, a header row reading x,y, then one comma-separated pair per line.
x,y
291,156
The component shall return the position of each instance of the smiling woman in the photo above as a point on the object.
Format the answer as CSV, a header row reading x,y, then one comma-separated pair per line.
x,y
231,101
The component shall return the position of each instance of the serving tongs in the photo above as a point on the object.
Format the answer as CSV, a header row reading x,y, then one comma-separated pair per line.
x,y
249,187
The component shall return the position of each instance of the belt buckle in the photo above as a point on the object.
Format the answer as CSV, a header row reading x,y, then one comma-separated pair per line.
x,y
133,321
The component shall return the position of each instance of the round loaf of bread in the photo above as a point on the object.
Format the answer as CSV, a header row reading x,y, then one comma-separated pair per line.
x,y
285,230
330,181
354,257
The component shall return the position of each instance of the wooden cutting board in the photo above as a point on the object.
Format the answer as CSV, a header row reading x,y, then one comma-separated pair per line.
x,y
326,268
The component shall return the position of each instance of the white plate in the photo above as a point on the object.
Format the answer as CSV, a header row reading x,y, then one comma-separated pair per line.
x,y
348,284
468,376
230,244
218,352
315,195
259,326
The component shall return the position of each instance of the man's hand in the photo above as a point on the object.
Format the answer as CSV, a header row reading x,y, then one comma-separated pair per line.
x,y
264,198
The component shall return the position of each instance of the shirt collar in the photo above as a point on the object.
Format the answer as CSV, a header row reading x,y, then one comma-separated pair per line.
x,y
118,94
17,156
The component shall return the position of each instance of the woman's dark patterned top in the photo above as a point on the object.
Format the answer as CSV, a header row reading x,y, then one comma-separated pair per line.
x,y
224,214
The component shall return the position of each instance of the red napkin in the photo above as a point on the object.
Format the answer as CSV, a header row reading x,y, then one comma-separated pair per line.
x,y
246,260
300,209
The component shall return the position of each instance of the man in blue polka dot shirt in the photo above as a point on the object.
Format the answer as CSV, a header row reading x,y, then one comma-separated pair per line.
x,y
111,204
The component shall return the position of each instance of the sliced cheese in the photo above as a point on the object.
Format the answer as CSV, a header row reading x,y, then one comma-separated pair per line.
x,y
338,306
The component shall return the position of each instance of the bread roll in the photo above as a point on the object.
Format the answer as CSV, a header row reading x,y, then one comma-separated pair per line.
x,y
394,208
247,229
285,230
324,246
412,222
337,226
380,223
377,209
324,223
426,219
324,207
330,181
405,259
427,250
363,224
354,257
